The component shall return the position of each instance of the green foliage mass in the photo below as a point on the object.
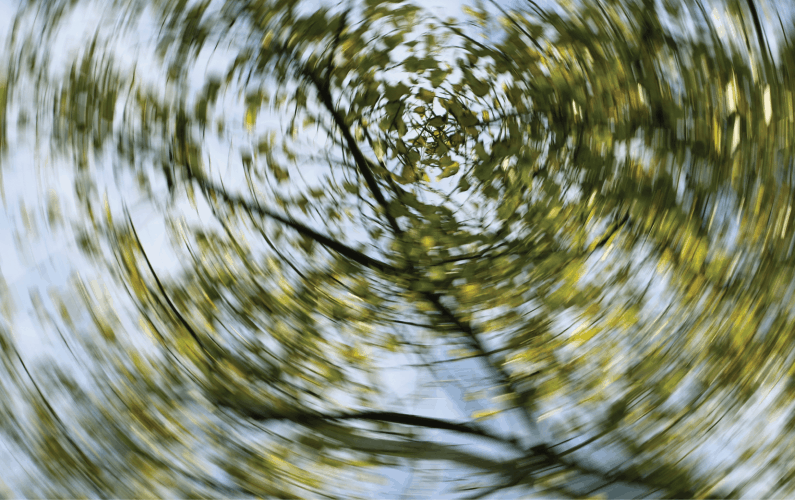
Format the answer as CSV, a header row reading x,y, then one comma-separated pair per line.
x,y
592,202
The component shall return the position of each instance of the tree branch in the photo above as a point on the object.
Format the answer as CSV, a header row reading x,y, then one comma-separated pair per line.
x,y
434,298
322,239
311,419
162,290
418,449
539,455
361,162
604,239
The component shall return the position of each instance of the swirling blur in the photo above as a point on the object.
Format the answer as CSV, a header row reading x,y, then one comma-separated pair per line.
x,y
293,249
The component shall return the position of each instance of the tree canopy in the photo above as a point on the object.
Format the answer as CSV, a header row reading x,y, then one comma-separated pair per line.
x,y
575,217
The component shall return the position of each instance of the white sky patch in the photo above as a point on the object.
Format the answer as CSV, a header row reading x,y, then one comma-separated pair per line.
x,y
718,24
767,105
736,134
731,95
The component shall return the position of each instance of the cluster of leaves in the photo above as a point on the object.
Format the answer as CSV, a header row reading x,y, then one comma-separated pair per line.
x,y
595,205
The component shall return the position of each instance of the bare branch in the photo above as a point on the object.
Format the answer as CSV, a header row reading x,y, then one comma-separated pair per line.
x,y
503,379
322,239
311,419
615,227
162,290
353,147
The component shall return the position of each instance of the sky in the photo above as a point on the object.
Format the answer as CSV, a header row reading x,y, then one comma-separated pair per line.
x,y
47,261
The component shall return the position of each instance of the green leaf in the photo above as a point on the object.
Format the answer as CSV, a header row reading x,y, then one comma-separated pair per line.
x,y
438,77
426,95
436,121
449,170
479,87
397,92
481,152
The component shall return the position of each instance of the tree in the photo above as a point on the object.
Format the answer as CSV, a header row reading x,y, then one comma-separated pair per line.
x,y
589,206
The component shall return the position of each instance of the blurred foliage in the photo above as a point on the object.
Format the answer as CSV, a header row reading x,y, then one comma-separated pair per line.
x,y
593,200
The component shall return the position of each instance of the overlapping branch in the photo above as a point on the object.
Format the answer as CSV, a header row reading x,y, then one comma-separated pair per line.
x,y
502,378
328,242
